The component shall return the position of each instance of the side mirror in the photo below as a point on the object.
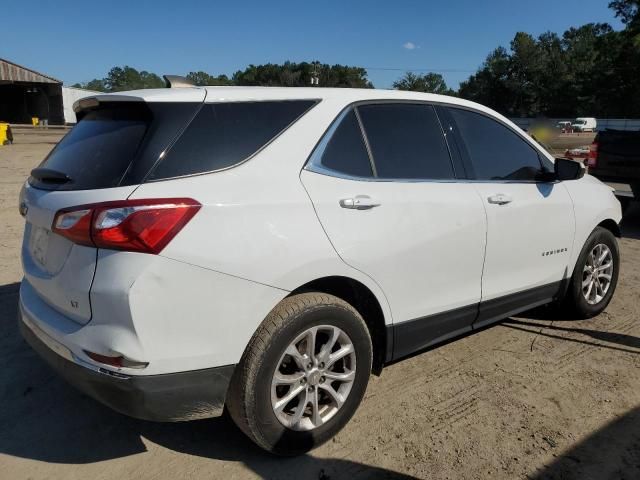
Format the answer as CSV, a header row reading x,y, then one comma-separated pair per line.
x,y
566,169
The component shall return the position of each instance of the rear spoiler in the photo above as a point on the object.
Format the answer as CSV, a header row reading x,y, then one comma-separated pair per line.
x,y
95,100
171,81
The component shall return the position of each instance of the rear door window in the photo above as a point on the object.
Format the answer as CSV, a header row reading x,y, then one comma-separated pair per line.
x,y
496,152
406,141
225,134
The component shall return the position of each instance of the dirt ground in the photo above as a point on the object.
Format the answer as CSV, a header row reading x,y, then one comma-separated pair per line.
x,y
526,398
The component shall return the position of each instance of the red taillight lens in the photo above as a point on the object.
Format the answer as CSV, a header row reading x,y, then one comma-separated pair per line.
x,y
141,226
133,225
592,159
75,225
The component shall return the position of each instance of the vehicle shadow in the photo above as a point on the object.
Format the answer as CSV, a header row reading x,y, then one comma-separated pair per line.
x,y
45,419
620,341
611,452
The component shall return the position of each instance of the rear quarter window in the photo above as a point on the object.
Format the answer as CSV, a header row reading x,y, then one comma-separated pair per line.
x,y
225,134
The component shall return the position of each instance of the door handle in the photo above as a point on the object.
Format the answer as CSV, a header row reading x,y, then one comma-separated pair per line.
x,y
359,202
500,199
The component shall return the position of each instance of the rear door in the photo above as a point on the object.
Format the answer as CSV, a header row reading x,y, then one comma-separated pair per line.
x,y
104,158
530,221
390,204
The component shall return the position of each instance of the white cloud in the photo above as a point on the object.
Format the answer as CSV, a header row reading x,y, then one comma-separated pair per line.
x,y
410,46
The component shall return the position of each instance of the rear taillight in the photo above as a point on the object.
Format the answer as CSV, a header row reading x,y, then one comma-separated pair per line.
x,y
75,225
145,226
592,159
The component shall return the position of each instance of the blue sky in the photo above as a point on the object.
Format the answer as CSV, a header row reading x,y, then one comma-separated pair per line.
x,y
79,41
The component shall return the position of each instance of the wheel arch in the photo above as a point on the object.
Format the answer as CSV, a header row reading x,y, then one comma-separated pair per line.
x,y
366,303
612,226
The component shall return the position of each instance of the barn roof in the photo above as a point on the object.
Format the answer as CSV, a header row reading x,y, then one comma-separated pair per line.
x,y
11,72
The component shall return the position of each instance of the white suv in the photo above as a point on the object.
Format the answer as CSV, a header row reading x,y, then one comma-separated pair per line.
x,y
266,249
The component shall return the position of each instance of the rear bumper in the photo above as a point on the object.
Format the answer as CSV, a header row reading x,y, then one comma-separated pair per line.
x,y
166,397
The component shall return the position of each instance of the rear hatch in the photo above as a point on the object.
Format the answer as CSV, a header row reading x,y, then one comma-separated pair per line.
x,y
104,158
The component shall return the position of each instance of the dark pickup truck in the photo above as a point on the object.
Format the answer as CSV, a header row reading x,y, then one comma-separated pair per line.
x,y
614,158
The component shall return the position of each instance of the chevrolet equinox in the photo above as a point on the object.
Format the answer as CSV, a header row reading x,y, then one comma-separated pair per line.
x,y
262,251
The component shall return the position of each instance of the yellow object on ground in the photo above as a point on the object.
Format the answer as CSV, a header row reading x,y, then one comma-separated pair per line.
x,y
543,133
5,134
35,121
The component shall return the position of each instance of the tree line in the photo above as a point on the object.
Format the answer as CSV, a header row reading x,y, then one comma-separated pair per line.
x,y
288,74
591,70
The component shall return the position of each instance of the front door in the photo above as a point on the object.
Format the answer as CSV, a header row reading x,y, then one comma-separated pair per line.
x,y
530,223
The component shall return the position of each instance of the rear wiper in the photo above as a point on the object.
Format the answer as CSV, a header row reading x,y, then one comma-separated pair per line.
x,y
50,176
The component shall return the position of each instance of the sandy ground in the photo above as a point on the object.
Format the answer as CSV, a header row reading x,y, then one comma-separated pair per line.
x,y
526,398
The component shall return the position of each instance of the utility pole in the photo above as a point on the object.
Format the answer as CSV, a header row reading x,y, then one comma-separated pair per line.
x,y
315,73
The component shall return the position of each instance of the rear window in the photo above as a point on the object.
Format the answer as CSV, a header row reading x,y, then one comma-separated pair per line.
x,y
225,134
97,152
115,144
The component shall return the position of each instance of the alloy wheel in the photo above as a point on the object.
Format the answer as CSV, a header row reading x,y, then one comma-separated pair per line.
x,y
313,378
597,274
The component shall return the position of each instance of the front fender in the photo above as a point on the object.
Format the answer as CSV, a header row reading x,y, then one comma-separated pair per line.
x,y
593,203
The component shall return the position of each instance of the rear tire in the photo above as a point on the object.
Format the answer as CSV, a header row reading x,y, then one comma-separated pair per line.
x,y
593,283
256,399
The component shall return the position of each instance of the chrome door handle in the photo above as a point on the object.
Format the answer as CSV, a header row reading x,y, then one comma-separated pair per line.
x,y
500,199
359,202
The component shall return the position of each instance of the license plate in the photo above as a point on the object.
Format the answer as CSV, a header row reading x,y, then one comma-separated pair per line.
x,y
40,244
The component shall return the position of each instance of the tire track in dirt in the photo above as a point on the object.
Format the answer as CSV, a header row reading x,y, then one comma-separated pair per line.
x,y
455,412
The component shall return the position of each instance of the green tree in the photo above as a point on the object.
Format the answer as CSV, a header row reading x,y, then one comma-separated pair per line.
x,y
95,85
204,79
628,11
526,65
128,78
429,82
583,56
491,84
124,78
591,70
290,74
553,77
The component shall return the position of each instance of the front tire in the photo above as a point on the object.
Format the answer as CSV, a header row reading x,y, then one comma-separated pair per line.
x,y
303,374
595,276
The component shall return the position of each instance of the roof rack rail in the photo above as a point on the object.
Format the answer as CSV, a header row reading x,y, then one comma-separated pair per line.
x,y
177,81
